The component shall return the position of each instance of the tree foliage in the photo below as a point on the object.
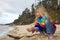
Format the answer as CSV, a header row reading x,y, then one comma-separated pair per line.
x,y
52,8
27,17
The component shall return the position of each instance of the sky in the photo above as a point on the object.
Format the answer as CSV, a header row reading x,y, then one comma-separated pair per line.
x,y
11,9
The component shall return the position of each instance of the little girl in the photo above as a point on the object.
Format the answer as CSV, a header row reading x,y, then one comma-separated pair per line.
x,y
43,25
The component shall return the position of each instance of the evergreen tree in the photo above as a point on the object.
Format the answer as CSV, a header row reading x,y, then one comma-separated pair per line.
x,y
27,17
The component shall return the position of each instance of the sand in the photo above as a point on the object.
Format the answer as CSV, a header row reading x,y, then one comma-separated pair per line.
x,y
20,30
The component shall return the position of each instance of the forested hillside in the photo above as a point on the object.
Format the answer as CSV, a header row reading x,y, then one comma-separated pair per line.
x,y
28,16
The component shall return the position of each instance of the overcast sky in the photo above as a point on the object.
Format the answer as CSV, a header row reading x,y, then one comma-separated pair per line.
x,y
10,9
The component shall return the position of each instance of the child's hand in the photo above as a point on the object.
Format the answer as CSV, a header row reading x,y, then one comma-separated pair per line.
x,y
31,29
28,29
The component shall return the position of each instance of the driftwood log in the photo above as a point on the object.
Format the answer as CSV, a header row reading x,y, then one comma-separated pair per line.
x,y
15,37
18,37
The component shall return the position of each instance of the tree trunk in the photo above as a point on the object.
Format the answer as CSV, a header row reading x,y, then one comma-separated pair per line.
x,y
58,2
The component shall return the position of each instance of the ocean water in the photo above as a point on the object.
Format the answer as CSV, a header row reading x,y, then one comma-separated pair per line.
x,y
4,30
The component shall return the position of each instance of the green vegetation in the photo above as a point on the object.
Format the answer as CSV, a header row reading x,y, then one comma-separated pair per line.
x,y
54,14
28,16
52,8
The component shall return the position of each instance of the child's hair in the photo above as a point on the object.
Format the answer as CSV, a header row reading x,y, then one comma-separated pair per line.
x,y
42,11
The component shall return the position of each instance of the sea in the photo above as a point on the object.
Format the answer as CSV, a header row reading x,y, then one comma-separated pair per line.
x,y
4,30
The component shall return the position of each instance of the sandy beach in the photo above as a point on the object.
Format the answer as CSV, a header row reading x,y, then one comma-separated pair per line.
x,y
20,30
